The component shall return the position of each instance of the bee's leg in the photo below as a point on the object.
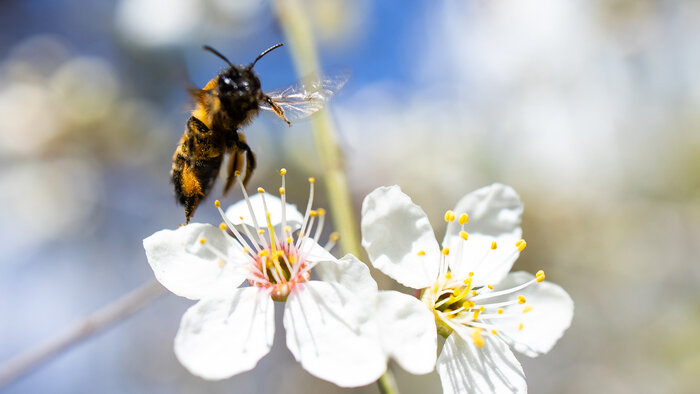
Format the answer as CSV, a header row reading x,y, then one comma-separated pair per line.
x,y
235,164
250,158
276,109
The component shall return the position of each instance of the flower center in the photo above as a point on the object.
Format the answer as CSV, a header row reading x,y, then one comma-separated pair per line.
x,y
458,302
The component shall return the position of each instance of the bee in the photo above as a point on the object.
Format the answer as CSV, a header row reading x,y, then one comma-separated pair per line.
x,y
228,102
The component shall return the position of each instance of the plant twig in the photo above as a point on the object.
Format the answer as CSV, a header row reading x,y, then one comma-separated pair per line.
x,y
95,323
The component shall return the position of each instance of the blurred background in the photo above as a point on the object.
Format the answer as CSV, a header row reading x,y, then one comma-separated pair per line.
x,y
589,108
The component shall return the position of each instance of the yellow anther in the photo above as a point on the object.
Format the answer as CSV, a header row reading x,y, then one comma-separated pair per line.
x,y
448,311
539,276
263,253
474,293
202,241
527,308
220,263
478,338
261,190
281,191
471,304
464,235
334,237
236,173
312,180
490,287
261,231
313,213
521,245
494,332
468,282
421,253
217,203
290,240
521,299
246,250
321,212
463,219
449,216
476,315
520,326
494,245
482,308
500,311
283,171
448,275
471,274
222,226
446,251
288,229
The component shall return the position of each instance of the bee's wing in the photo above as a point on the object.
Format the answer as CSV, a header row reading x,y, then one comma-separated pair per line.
x,y
305,98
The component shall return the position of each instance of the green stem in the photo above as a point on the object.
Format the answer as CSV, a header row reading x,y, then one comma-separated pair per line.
x,y
300,38
301,42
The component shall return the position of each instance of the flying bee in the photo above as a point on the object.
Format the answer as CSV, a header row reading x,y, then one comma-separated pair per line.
x,y
228,102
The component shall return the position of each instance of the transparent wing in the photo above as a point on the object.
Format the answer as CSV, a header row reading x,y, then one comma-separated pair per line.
x,y
305,98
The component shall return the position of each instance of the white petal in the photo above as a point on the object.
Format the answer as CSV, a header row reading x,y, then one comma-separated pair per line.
x,y
274,206
551,314
408,331
352,274
494,215
226,334
394,231
315,252
332,336
191,269
465,368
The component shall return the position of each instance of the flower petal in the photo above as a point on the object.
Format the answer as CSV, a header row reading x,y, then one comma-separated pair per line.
x,y
551,314
466,368
314,252
352,274
494,215
408,331
191,269
274,206
226,334
394,232
332,335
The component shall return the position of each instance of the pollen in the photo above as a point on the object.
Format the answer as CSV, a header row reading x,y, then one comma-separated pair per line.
x,y
237,173
539,276
521,245
521,299
281,190
312,180
222,226
520,326
464,235
446,251
283,171
217,204
463,219
261,231
527,308
421,253
449,216
478,338
494,245
261,190
476,314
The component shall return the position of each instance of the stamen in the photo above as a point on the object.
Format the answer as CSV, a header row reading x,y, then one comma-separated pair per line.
x,y
527,308
521,299
520,326
464,235
494,245
421,253
309,204
222,226
521,245
506,291
446,251
477,337
463,219
250,209
332,240
202,241
539,276
449,216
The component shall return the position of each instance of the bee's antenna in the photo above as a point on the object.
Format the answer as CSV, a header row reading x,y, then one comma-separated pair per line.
x,y
268,50
217,53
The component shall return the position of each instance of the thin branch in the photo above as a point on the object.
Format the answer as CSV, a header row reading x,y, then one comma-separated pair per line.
x,y
99,321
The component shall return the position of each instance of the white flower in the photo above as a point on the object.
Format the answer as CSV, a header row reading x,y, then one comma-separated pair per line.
x,y
269,244
478,306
